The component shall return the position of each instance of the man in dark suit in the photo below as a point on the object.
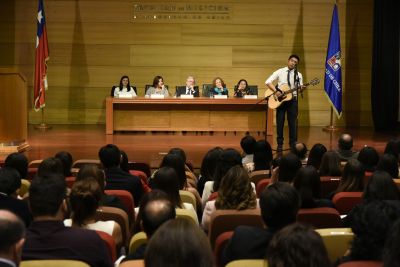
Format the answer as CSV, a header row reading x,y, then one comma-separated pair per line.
x,y
189,89
116,178
345,145
279,205
12,233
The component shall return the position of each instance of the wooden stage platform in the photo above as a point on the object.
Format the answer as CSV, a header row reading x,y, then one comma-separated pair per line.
x,y
84,141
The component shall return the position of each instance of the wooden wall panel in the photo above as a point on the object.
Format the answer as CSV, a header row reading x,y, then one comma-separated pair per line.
x,y
94,42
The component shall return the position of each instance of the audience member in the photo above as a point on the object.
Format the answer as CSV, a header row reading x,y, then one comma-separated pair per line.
x,y
208,167
315,155
66,160
297,245
300,150
48,238
262,155
352,179
12,232
10,182
247,144
19,162
155,209
390,164
369,158
178,243
345,145
279,205
288,167
330,164
191,179
381,187
391,253
116,178
393,147
234,193
50,166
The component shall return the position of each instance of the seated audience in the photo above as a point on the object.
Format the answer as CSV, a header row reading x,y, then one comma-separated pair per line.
x,y
50,166
330,164
279,205
19,162
124,165
12,232
300,150
178,243
297,245
66,160
381,187
352,179
390,164
345,145
190,177
208,166
262,155
391,255
84,199
189,89
315,155
369,158
247,144
10,182
158,87
242,89
48,238
218,87
116,178
289,164
155,209
393,147
308,184
124,87
234,193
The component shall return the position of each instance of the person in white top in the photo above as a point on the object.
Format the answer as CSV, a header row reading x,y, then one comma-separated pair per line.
x,y
294,80
124,87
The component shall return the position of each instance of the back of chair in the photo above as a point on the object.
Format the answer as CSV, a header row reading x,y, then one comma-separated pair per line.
x,y
53,263
206,89
261,185
132,263
227,220
143,179
126,198
119,216
140,166
346,201
32,172
257,176
220,244
136,241
248,263
329,184
336,240
70,180
35,163
187,215
25,184
81,162
109,240
362,264
320,217
188,197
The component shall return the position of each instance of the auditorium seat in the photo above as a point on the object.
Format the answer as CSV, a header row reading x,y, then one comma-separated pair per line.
x,y
188,197
34,163
117,215
362,264
345,201
336,240
261,185
127,199
81,162
220,244
248,263
132,263
24,189
143,179
32,172
187,215
110,243
70,180
140,166
320,217
257,176
53,263
136,241
329,184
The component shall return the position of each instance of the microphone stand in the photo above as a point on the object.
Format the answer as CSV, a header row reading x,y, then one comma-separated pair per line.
x,y
266,115
297,85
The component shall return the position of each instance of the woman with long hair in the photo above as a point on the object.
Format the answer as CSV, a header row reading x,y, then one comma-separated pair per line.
x,y
124,87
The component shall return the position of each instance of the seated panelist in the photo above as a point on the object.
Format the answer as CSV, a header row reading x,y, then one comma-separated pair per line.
x,y
218,87
124,87
158,87
242,89
189,89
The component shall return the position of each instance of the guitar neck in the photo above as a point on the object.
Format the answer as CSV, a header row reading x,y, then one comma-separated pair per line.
x,y
292,90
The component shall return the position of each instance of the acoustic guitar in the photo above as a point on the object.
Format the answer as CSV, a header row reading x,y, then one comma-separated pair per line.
x,y
287,94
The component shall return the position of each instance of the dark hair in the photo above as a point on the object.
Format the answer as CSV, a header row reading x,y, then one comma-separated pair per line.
x,y
330,164
288,167
297,245
345,142
229,158
50,166
389,163
369,157
155,212
110,156
315,155
10,180
371,223
19,162
178,243
235,191
352,177
247,144
84,198
300,150
128,87
166,179
178,151
91,171
46,194
279,203
381,187
391,252
242,80
215,80
294,56
66,160
12,229
307,182
124,163
209,163
156,80
174,161
393,147
262,155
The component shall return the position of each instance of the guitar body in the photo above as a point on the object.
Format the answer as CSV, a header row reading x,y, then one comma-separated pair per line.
x,y
274,101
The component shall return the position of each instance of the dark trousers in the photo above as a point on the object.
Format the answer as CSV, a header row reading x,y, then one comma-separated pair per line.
x,y
289,107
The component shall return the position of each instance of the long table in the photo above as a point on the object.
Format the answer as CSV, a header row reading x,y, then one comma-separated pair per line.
x,y
177,114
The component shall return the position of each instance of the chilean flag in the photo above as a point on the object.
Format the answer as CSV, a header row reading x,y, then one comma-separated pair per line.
x,y
42,55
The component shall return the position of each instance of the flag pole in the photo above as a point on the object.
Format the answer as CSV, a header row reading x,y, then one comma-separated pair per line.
x,y
43,126
330,127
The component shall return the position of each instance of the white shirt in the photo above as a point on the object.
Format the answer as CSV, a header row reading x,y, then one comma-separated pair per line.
x,y
124,90
104,226
281,76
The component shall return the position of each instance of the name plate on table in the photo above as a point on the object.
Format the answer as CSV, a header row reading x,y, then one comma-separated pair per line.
x,y
124,95
186,96
220,96
156,96
250,97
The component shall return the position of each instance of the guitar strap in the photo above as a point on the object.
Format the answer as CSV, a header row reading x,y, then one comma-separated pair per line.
x,y
288,79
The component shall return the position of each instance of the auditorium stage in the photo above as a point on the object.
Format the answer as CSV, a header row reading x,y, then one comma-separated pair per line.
x,y
84,141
